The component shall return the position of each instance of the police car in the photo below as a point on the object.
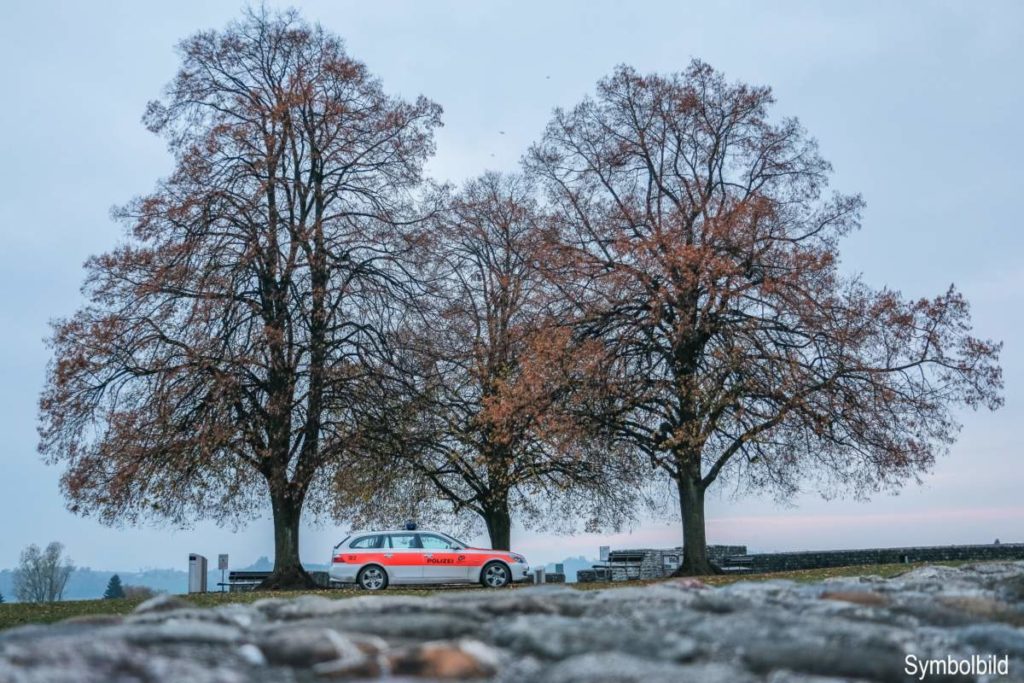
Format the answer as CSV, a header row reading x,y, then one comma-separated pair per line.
x,y
377,559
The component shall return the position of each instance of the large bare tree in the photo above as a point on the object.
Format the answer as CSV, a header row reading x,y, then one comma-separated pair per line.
x,y
229,346
490,419
707,248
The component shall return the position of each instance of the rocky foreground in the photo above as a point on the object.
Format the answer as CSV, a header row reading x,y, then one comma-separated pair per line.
x,y
842,629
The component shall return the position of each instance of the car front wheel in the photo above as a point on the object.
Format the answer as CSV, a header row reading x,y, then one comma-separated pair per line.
x,y
495,575
372,578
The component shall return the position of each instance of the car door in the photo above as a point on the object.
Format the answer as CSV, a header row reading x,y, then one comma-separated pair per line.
x,y
404,558
366,550
442,561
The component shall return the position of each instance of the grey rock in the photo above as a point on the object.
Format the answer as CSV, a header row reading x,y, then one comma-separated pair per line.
x,y
176,631
544,599
719,603
784,676
162,603
622,668
994,638
359,667
412,626
95,620
842,629
252,654
305,647
558,637
878,662
87,660
311,606
1011,588
243,616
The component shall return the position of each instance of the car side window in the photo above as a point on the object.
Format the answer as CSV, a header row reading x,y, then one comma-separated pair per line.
x,y
404,541
367,542
432,542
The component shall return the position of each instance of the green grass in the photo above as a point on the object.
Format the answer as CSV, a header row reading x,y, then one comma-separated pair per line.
x,y
812,575
17,614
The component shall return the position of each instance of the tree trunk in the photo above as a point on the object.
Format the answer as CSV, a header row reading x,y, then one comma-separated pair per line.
x,y
499,526
288,573
695,545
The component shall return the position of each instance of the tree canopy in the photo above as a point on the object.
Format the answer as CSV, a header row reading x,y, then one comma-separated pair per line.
x,y
706,247
228,347
496,381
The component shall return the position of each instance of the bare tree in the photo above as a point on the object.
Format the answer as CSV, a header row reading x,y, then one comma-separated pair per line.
x,y
706,252
491,425
42,574
228,349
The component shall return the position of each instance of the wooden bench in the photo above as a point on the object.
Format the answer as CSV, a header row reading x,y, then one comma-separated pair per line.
x,y
737,564
248,580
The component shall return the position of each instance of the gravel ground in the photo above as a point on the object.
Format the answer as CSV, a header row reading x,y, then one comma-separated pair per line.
x,y
851,629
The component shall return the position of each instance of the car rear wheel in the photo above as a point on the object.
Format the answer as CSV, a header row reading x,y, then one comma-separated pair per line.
x,y
372,578
495,575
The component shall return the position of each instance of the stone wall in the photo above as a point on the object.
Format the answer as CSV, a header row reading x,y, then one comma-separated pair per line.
x,y
650,563
642,563
622,572
777,562
601,574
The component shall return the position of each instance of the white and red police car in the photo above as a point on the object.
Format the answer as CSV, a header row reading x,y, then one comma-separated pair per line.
x,y
377,559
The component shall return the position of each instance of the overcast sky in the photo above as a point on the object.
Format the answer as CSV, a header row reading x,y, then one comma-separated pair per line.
x,y
917,105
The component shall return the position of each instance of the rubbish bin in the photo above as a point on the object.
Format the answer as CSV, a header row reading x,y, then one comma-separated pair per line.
x,y
196,573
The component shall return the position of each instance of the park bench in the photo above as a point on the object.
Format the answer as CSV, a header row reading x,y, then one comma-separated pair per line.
x,y
239,581
737,564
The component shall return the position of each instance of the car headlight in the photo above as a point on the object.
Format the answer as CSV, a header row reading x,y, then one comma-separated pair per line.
x,y
518,558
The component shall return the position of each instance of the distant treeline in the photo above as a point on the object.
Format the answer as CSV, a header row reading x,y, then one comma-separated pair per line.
x,y
88,584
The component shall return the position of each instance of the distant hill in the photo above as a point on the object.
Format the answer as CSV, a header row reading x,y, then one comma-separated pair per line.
x,y
86,583
261,565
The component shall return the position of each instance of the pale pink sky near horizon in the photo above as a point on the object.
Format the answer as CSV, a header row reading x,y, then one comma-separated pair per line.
x,y
916,104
